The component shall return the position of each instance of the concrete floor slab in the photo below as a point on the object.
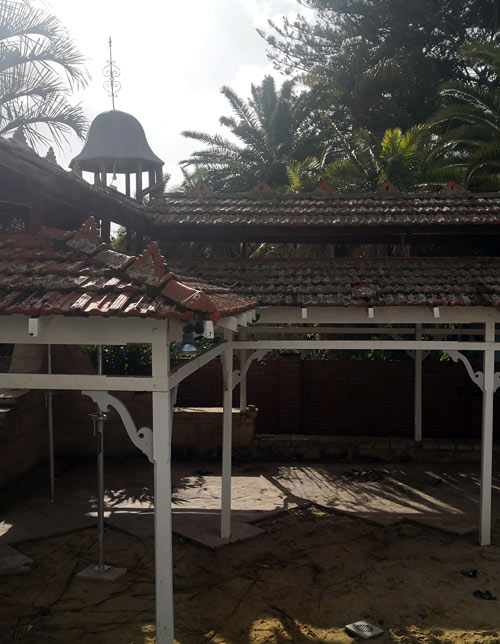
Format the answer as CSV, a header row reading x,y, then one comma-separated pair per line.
x,y
442,496
204,528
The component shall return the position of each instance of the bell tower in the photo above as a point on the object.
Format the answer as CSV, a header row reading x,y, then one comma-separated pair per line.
x,y
116,144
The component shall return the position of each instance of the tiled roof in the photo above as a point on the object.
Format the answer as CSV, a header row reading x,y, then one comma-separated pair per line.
x,y
21,158
320,209
75,273
353,282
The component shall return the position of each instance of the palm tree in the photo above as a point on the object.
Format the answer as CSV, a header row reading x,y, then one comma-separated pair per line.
x,y
469,122
270,127
39,67
404,159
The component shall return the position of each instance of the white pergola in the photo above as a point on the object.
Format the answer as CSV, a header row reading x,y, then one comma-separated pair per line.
x,y
405,326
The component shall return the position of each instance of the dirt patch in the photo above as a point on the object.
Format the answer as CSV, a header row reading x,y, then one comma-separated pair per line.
x,y
311,573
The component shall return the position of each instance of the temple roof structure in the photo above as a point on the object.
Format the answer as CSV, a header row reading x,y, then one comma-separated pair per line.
x,y
76,273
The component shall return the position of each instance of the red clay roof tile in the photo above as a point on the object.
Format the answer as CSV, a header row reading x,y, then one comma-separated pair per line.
x,y
381,209
75,273
352,282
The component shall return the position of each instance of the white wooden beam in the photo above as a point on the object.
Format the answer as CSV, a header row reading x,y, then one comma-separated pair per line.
x,y
54,329
227,430
181,373
385,314
79,381
487,440
396,345
162,442
243,375
258,329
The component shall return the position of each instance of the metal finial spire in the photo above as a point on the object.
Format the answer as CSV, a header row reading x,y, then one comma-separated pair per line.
x,y
111,72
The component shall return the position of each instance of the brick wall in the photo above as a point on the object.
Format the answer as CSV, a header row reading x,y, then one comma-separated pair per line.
x,y
344,397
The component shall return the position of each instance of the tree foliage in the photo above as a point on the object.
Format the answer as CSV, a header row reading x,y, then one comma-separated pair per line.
x,y
404,159
39,68
378,65
469,122
272,125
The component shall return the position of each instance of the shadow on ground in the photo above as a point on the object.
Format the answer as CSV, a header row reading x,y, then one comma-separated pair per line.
x,y
310,573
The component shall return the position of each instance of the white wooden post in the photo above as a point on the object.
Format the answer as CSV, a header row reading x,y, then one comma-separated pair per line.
x,y
487,438
418,386
162,438
243,380
227,430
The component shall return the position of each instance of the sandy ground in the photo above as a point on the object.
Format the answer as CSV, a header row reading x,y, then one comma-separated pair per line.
x,y
309,574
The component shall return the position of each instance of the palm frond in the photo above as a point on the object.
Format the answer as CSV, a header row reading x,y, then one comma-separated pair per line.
x,y
242,110
53,112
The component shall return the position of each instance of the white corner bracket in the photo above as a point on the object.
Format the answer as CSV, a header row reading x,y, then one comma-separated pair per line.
x,y
477,377
142,438
256,355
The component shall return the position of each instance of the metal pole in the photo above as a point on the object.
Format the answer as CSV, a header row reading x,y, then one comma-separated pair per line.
x,y
418,386
99,419
50,420
487,438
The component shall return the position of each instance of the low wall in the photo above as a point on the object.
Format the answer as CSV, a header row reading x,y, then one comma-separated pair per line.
x,y
197,430
23,433
275,447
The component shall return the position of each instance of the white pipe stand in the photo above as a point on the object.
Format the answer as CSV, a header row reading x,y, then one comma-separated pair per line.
x,y
100,572
50,422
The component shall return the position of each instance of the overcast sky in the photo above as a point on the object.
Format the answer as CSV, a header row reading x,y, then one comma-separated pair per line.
x,y
174,56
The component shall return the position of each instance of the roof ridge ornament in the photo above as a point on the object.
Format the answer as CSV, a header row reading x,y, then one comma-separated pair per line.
x,y
19,138
387,186
51,156
201,189
453,186
150,266
89,228
324,187
261,187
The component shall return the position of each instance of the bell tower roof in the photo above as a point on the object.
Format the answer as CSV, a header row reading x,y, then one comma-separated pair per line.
x,y
116,142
